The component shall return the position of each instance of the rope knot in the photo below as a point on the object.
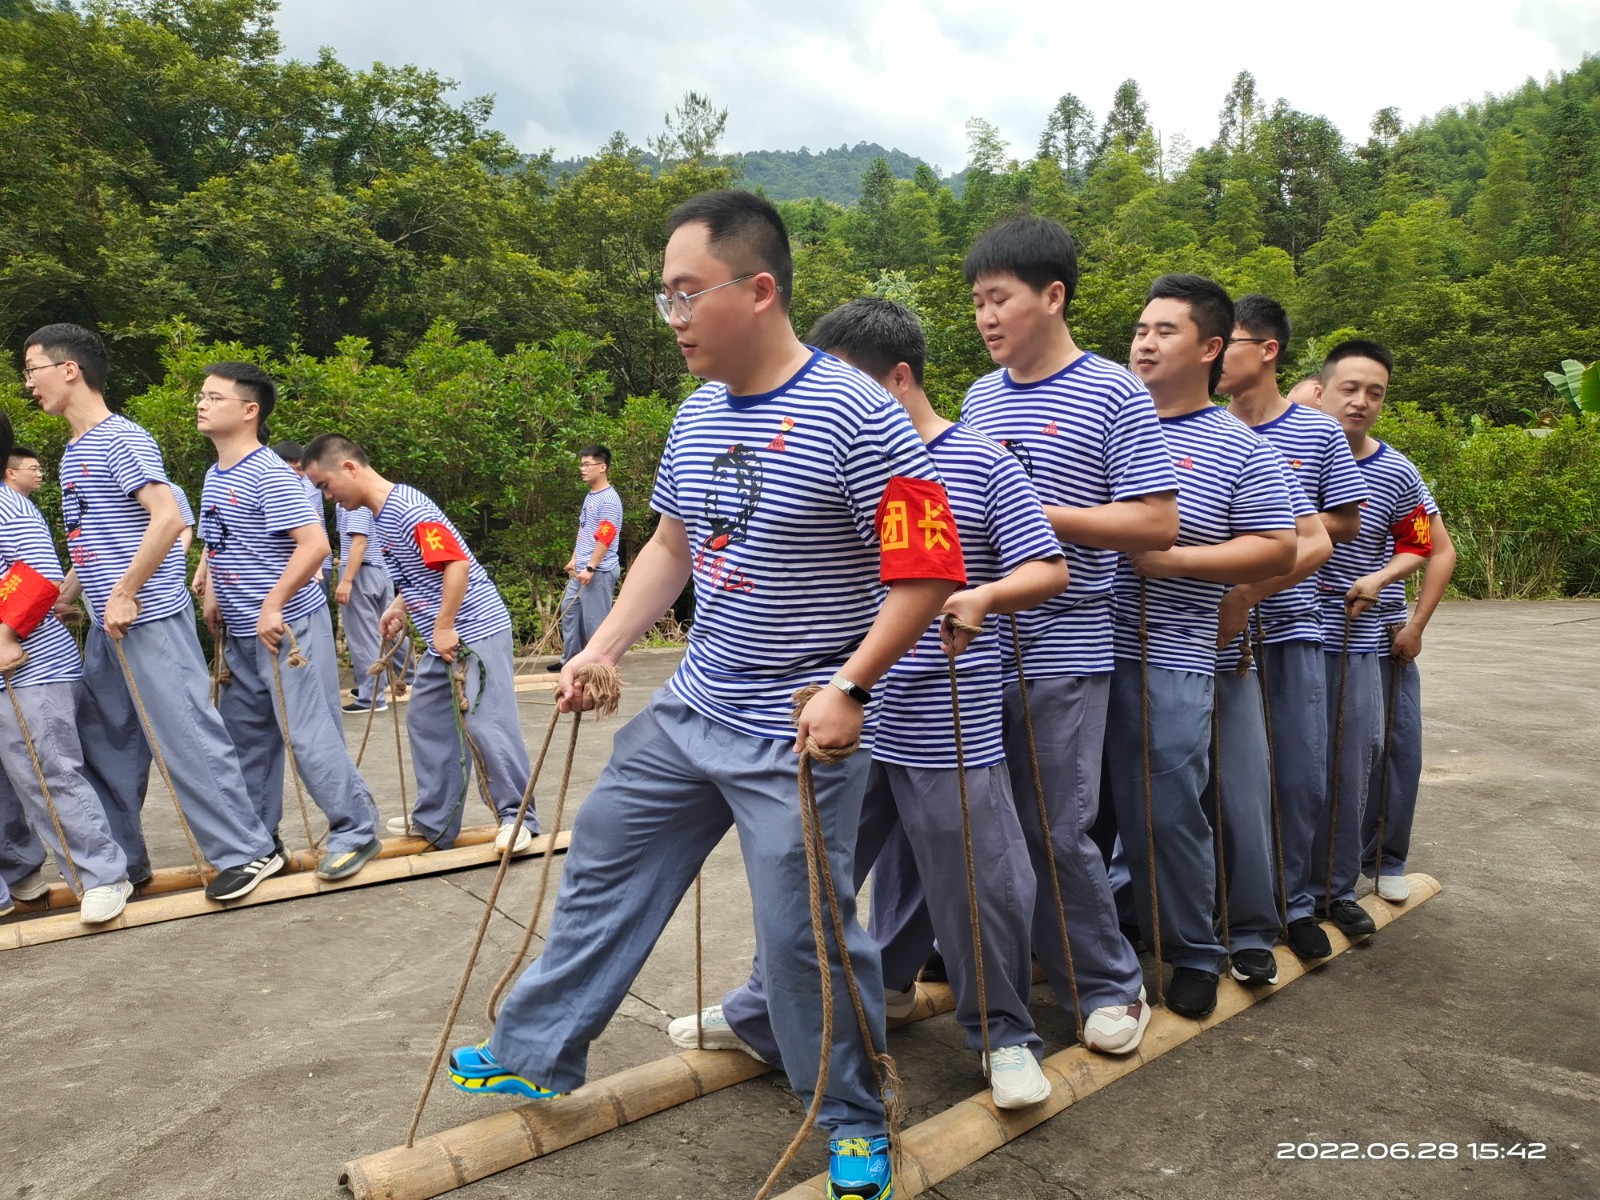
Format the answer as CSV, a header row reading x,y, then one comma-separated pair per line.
x,y
603,685
296,657
821,754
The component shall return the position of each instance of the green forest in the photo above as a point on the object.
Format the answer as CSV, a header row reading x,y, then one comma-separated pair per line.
x,y
473,315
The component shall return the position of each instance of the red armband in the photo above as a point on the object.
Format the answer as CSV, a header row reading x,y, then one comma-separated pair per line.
x,y
917,536
606,533
1413,533
438,545
25,598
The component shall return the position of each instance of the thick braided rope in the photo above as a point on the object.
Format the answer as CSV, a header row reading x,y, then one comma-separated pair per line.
x,y
1336,775
1149,796
1219,835
477,945
1396,667
699,962
464,705
161,760
1272,775
221,675
604,686
44,786
296,661
1044,828
966,845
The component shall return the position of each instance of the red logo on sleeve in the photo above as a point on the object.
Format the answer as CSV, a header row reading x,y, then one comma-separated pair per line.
x,y
605,533
438,545
917,536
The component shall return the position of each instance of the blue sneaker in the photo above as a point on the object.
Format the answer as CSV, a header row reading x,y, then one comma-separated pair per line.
x,y
473,1069
859,1169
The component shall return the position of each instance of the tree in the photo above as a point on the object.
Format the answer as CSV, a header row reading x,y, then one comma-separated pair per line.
x,y
692,132
1068,139
1127,121
1565,203
1503,198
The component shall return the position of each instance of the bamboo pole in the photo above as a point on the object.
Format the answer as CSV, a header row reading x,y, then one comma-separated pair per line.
x,y
177,879
175,906
457,1157
934,1150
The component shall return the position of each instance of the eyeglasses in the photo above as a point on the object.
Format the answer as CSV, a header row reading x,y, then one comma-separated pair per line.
x,y
676,304
1248,341
27,372
215,398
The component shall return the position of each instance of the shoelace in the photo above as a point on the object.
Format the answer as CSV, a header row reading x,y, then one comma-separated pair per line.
x,y
1005,1058
853,1148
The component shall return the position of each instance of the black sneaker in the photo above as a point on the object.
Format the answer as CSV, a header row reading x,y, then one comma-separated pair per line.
x,y
241,881
1192,993
1134,937
553,667
1351,918
361,706
1307,939
933,971
1254,966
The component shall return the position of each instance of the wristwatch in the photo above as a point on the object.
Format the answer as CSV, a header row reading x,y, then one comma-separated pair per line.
x,y
859,694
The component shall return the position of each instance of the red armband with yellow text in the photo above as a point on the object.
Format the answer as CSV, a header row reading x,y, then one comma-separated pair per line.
x,y
1413,533
917,533
606,533
438,545
25,598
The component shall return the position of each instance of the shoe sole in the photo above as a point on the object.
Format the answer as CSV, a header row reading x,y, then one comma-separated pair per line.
x,y
501,1085
254,882
34,893
1251,977
1028,1101
361,858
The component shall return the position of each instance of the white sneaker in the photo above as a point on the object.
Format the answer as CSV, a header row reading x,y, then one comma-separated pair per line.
x,y
1015,1078
1117,1028
32,886
503,836
715,1033
399,827
102,904
1394,888
898,1005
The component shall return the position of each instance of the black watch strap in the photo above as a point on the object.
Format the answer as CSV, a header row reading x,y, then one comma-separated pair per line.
x,y
859,694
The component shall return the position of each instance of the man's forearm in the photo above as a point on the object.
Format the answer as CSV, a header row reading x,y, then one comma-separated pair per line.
x,y
154,547
1127,526
1313,547
1247,558
909,609
300,570
454,592
1436,576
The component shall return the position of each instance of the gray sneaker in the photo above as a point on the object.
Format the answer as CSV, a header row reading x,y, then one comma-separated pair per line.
x,y
342,866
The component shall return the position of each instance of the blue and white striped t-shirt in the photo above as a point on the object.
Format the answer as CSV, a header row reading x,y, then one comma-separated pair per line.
x,y
100,472
599,508
779,494
1086,436
1318,454
181,498
1230,484
482,613
1300,505
25,537
1394,489
1392,610
1002,526
355,522
318,513
246,514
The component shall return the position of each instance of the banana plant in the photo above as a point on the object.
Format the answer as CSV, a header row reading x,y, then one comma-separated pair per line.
x,y
1578,384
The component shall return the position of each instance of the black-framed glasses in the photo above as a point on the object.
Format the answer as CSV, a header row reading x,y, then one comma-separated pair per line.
x,y
27,372
678,304
215,398
1248,341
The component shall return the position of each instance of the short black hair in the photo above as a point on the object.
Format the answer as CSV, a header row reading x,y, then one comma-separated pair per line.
x,y
328,450
1036,250
19,454
74,343
1263,317
289,451
8,437
746,232
256,384
1209,308
874,334
597,452
1358,348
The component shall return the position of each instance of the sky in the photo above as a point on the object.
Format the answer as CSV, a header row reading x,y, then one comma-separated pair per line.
x,y
908,74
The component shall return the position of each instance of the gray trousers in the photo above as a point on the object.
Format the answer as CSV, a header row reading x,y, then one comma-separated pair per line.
x,y
249,708
1246,777
49,710
440,757
175,685
1405,771
1296,682
21,851
372,592
911,833
1362,740
1185,865
582,610
675,784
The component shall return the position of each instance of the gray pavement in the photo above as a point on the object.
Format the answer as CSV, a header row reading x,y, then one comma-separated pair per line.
x,y
251,1053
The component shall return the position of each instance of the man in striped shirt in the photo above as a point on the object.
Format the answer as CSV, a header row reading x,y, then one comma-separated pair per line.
x,y
364,591
264,546
122,525
1317,454
1084,430
593,566
1236,525
450,597
792,489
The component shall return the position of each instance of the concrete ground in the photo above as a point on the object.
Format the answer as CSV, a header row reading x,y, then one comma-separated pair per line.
x,y
251,1053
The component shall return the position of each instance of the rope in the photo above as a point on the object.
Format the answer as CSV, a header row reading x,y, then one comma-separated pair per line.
x,y
1219,836
966,843
604,682
1149,797
296,660
221,676
38,770
819,883
397,688
161,760
1336,776
1396,667
1272,776
1044,828
699,963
